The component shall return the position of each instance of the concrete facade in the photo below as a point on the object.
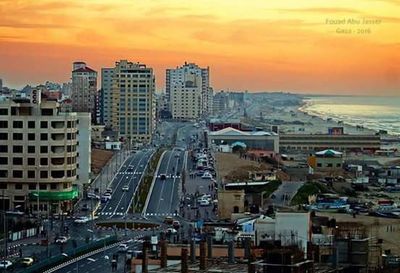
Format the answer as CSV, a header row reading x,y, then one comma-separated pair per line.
x,y
230,201
84,150
84,89
38,155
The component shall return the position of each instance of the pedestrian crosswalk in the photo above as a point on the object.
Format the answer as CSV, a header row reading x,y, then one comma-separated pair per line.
x,y
169,176
161,214
132,173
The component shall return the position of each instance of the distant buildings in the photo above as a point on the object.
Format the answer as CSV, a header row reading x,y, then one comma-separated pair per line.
x,y
84,89
1,85
83,169
188,91
128,100
38,155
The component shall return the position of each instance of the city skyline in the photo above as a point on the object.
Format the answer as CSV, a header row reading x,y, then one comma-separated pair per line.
x,y
291,46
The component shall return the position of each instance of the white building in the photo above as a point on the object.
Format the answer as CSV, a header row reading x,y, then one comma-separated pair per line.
x,y
186,82
84,89
84,150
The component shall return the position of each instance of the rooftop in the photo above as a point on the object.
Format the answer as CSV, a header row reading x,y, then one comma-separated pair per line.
x,y
234,132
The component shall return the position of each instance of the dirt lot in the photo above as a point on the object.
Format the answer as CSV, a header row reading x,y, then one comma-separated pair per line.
x,y
100,159
382,228
231,167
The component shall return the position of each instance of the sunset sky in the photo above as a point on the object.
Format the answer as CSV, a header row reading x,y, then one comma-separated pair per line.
x,y
255,45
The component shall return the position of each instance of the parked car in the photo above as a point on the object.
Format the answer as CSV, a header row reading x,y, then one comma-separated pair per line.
x,y
123,248
206,175
204,203
106,196
81,220
27,261
109,190
5,264
91,195
171,231
61,240
125,188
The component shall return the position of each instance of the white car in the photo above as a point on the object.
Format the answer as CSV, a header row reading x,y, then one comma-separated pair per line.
x,y
206,175
106,196
171,231
204,203
125,188
61,240
123,248
82,220
92,196
5,264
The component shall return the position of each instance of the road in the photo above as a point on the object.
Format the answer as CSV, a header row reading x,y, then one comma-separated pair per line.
x,y
130,174
285,193
164,198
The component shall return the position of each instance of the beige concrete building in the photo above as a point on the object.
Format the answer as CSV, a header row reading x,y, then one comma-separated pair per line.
x,y
38,151
186,98
230,201
133,101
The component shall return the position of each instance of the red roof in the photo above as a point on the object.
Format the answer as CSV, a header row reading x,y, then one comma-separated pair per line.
x,y
84,69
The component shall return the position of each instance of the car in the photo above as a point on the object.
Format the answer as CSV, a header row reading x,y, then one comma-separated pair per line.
x,y
206,175
92,196
81,220
176,224
168,220
125,188
107,196
163,176
129,170
177,155
204,203
27,261
109,190
5,264
123,248
61,240
85,207
171,231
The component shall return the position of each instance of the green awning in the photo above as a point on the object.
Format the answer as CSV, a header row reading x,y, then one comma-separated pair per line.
x,y
54,195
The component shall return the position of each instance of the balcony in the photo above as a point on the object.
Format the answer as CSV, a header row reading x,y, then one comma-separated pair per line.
x,y
58,137
58,149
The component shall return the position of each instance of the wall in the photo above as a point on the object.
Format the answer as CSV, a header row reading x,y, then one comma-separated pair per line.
x,y
84,149
227,200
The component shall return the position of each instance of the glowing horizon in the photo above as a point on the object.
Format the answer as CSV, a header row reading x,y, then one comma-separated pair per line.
x,y
256,45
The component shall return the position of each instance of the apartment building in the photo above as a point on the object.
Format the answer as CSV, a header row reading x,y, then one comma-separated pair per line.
x,y
186,98
132,101
83,167
38,155
84,90
182,87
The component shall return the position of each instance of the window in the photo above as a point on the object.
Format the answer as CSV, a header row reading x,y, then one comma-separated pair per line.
x,y
57,174
32,186
53,186
3,112
17,149
43,124
319,165
44,136
3,173
31,161
17,160
338,165
3,124
17,174
3,160
31,124
3,148
43,186
44,174
17,136
31,174
31,136
18,186
18,124
44,161
44,149
3,185
31,149
3,136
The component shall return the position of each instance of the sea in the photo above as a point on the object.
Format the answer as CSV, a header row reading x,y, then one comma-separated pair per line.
x,y
377,113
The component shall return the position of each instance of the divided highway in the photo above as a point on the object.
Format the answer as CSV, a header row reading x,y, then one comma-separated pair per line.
x,y
130,174
164,198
